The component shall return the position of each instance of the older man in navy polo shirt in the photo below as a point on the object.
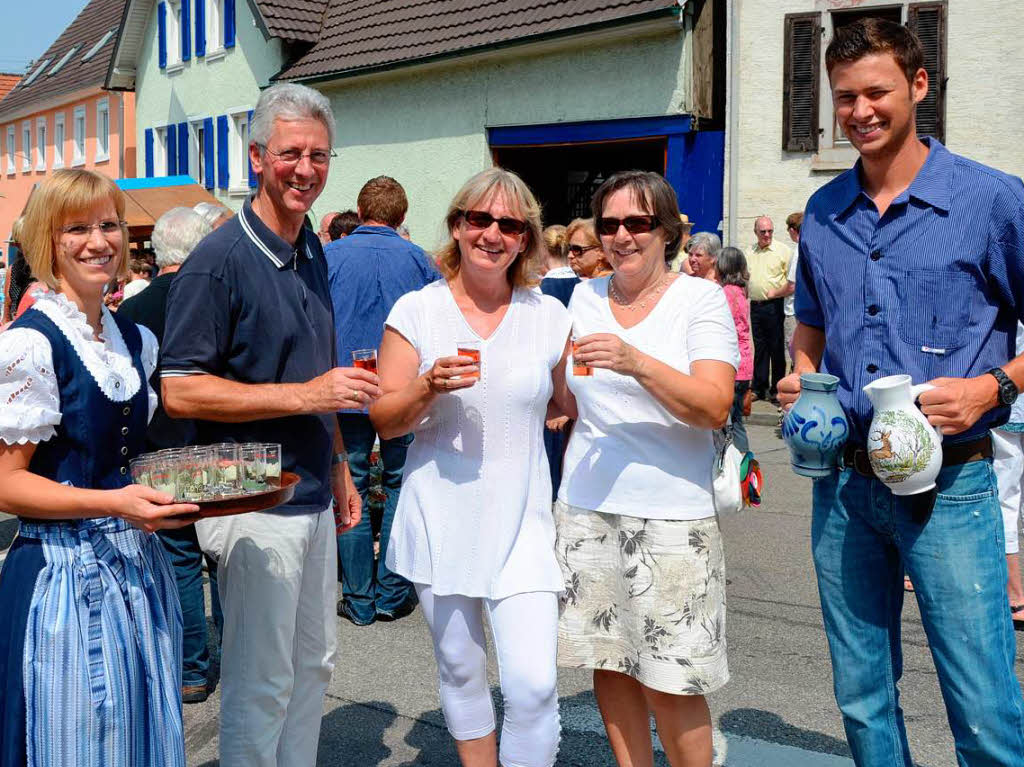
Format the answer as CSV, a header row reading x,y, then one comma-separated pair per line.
x,y
368,271
911,263
249,351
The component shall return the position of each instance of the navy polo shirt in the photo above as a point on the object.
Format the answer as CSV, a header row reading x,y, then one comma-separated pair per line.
x,y
249,307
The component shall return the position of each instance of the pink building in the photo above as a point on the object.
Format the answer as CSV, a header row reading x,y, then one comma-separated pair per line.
x,y
59,115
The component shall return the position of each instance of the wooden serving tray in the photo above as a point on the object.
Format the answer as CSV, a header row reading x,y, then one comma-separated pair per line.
x,y
242,504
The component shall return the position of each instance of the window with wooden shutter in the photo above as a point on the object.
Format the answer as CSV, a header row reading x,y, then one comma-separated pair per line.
x,y
800,82
928,22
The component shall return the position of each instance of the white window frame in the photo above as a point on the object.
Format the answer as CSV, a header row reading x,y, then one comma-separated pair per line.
x,y
196,157
41,144
60,136
214,28
835,152
10,147
26,146
99,44
102,136
173,31
238,153
78,139
160,150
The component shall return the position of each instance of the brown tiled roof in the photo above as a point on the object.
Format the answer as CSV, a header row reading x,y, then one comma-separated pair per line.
x,y
95,20
372,34
7,81
293,19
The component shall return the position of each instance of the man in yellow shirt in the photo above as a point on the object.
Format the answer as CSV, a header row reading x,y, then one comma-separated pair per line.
x,y
768,263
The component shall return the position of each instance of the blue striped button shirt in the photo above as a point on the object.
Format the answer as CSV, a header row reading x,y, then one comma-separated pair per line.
x,y
932,288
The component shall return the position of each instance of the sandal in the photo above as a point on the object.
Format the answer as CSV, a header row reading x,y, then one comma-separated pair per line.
x,y
1017,611
909,586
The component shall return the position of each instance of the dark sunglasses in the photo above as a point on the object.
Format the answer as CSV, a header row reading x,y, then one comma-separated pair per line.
x,y
633,224
579,250
479,219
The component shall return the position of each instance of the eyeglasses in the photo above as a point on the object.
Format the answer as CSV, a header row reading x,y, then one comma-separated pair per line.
x,y
108,229
480,219
579,250
292,156
633,224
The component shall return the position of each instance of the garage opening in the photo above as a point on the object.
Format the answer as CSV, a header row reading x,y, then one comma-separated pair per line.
x,y
565,176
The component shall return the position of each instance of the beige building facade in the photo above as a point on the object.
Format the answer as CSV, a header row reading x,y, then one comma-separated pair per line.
x,y
781,143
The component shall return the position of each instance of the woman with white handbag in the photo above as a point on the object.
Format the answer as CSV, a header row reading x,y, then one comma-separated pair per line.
x,y
654,361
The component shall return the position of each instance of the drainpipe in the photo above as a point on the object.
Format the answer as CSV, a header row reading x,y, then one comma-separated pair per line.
x,y
732,99
120,140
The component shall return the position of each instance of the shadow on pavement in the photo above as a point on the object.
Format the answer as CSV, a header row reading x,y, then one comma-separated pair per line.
x,y
578,748
765,725
354,734
8,528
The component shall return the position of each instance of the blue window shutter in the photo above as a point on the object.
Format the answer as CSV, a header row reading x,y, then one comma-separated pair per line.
x,y
222,151
200,28
182,149
208,153
149,153
229,23
172,154
253,178
186,31
161,25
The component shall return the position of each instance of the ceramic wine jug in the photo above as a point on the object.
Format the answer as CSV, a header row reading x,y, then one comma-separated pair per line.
x,y
815,428
904,449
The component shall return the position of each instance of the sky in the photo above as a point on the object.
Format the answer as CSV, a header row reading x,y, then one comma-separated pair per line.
x,y
26,37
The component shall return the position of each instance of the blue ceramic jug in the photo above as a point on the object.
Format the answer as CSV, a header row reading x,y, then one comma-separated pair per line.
x,y
815,428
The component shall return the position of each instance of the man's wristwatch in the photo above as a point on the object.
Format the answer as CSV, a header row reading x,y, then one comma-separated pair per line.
x,y
342,457
1008,390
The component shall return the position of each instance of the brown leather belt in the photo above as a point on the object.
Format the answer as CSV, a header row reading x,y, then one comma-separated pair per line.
x,y
856,456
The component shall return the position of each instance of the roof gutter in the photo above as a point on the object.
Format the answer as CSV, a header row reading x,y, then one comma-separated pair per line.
x,y
673,12
112,68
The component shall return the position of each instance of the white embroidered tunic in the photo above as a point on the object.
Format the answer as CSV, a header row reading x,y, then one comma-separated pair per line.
x,y
474,514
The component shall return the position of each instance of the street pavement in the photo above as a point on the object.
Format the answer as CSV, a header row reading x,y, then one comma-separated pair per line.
x,y
382,706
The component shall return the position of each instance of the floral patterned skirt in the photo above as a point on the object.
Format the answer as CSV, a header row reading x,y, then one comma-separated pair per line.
x,y
645,597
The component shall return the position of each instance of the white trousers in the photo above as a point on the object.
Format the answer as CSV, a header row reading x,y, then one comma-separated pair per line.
x,y
1008,462
525,629
277,583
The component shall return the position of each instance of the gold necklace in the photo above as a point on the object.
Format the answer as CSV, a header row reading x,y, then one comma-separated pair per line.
x,y
636,303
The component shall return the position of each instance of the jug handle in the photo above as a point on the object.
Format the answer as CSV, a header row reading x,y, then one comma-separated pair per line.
x,y
917,391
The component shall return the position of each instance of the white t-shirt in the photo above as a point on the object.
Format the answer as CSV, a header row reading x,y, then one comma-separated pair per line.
x,y
474,514
789,303
134,287
628,455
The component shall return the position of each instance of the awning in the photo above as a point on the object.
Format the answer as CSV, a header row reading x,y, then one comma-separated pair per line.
x,y
149,198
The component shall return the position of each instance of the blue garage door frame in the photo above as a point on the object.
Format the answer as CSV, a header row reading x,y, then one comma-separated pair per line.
x,y
694,162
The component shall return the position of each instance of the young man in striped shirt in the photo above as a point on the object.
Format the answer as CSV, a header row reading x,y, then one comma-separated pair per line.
x,y
911,263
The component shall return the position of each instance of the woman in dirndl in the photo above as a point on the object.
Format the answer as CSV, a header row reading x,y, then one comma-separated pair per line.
x,y
638,540
90,642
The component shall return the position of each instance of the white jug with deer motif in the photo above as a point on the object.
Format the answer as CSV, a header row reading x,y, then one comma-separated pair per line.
x,y
904,449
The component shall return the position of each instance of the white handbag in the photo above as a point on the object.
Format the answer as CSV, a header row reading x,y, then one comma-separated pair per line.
x,y
727,488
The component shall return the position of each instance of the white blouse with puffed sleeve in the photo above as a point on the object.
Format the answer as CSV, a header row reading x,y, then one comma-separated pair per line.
x,y
29,397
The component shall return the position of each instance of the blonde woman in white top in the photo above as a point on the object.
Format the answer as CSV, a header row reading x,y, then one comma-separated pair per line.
x,y
473,529
638,541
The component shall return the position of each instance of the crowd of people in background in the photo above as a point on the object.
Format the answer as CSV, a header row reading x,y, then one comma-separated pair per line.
x,y
542,409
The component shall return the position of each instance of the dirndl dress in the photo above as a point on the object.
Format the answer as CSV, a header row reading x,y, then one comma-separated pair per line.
x,y
90,641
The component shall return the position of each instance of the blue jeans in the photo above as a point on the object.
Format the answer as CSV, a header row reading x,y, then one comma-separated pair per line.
x,y
368,589
187,559
863,540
